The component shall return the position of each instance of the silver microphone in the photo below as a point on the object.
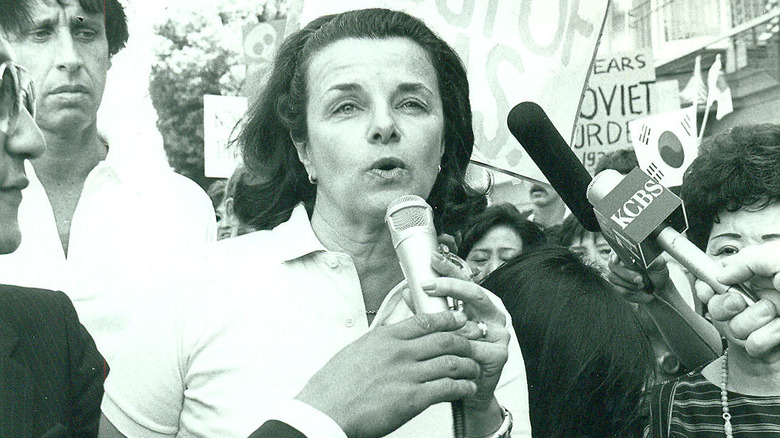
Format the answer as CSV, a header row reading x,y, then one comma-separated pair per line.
x,y
410,220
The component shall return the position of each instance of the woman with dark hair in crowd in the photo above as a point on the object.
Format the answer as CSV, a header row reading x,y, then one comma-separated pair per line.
x,y
732,198
361,108
590,246
587,361
228,223
496,236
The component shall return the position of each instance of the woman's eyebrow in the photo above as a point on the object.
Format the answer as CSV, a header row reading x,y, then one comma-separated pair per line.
x,y
724,235
346,87
414,87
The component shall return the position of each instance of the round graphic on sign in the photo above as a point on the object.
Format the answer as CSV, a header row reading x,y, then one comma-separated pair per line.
x,y
260,42
671,150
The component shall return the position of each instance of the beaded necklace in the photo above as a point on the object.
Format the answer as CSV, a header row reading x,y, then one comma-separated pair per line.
x,y
724,394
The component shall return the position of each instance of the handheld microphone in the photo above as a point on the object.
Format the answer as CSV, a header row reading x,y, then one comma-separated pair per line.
x,y
536,133
644,218
529,124
410,220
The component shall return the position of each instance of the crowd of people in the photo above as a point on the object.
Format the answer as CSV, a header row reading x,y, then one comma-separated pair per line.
x,y
299,321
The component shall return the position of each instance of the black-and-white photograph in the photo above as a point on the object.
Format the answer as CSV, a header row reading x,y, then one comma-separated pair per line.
x,y
401,218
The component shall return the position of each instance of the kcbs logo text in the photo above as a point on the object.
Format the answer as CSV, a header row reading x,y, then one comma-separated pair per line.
x,y
637,204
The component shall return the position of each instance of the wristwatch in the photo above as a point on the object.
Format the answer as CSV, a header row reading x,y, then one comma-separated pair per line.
x,y
505,430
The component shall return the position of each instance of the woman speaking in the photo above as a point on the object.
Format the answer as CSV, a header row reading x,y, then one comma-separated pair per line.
x,y
360,109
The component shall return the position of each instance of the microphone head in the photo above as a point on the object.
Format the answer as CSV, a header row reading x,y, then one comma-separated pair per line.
x,y
407,212
530,125
410,221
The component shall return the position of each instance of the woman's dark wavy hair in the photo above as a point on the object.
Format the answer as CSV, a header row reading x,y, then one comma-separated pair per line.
x,y
734,170
496,215
280,113
116,20
587,361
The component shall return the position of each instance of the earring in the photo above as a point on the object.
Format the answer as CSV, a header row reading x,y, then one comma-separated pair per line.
x,y
439,167
312,180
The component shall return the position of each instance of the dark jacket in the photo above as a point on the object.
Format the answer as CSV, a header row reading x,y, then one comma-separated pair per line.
x,y
51,373
276,429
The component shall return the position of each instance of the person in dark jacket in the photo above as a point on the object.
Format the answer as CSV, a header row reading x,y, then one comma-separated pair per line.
x,y
51,373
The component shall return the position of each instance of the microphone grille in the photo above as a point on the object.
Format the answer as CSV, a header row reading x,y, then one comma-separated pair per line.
x,y
407,212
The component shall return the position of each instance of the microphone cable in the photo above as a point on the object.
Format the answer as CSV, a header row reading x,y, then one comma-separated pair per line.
x,y
458,413
458,420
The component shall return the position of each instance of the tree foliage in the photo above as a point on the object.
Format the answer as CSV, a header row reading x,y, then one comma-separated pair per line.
x,y
200,52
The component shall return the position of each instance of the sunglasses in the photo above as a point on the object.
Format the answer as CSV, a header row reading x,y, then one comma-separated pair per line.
x,y
16,92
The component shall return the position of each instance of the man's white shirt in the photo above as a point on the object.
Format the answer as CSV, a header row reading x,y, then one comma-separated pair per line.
x,y
130,223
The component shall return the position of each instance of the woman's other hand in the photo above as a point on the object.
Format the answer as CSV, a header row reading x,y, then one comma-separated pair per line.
x,y
757,325
631,284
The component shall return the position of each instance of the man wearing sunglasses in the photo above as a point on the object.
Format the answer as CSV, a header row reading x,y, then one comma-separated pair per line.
x,y
51,374
99,222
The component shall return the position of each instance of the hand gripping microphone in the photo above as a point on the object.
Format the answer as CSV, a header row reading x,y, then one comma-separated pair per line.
x,y
533,129
410,220
644,218
650,228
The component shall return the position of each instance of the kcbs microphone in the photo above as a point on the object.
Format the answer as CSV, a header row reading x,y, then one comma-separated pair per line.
x,y
649,217
640,218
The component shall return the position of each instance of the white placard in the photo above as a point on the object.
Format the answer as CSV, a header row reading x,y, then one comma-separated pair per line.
x,y
220,115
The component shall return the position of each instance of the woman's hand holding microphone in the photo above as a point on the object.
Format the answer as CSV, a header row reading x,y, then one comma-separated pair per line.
x,y
488,334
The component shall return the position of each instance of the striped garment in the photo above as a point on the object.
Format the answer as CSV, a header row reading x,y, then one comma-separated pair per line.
x,y
697,411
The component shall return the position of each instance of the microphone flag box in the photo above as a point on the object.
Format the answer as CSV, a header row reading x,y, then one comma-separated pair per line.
x,y
632,213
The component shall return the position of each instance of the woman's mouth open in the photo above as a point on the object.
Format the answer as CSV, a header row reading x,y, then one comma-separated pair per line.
x,y
388,168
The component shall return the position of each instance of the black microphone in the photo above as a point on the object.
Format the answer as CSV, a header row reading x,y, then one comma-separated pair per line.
x,y
646,215
410,220
533,129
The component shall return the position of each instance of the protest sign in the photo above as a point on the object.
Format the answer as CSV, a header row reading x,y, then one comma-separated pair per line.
x,y
220,116
260,43
621,88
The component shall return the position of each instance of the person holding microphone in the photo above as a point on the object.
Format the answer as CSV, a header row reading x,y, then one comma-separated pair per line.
x,y
732,198
361,108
